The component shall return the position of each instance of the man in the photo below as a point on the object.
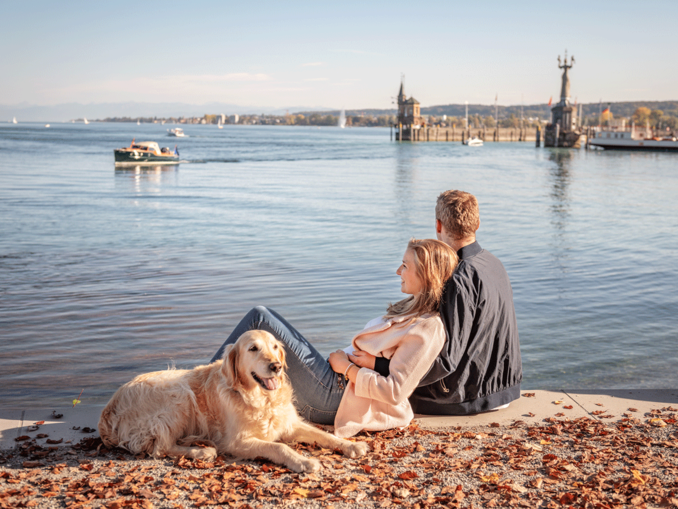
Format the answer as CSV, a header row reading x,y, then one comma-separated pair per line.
x,y
479,368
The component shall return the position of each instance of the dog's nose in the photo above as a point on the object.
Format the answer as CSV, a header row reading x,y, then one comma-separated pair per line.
x,y
275,366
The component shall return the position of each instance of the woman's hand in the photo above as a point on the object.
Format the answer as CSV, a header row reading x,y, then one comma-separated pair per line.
x,y
362,359
339,361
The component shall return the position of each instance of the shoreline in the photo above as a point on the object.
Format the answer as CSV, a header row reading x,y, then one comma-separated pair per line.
x,y
548,449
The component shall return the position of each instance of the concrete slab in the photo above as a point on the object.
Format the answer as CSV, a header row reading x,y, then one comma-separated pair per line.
x,y
533,407
614,403
69,427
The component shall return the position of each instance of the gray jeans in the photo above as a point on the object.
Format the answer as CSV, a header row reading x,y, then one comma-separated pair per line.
x,y
317,389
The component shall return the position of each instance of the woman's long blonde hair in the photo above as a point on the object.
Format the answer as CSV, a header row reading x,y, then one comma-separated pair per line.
x,y
435,262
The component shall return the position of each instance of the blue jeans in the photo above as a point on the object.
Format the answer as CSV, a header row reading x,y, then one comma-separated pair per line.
x,y
317,389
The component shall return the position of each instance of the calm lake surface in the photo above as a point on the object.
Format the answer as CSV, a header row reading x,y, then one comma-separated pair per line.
x,y
106,273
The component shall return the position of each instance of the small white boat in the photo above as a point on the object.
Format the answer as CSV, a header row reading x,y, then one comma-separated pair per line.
x,y
473,142
138,123
219,126
342,119
177,132
46,125
14,120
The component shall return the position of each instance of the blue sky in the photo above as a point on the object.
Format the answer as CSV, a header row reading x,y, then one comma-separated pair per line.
x,y
339,54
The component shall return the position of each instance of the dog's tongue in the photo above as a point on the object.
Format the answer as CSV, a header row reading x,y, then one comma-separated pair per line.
x,y
271,384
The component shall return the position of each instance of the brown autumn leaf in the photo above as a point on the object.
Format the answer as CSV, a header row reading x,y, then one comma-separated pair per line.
x,y
557,402
529,394
408,475
632,409
569,407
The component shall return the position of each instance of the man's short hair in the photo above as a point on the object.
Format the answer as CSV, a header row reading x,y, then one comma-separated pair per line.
x,y
458,212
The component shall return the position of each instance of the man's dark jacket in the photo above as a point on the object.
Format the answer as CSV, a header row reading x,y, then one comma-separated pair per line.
x,y
479,367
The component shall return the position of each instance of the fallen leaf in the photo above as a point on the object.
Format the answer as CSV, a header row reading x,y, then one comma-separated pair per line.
x,y
638,476
658,423
408,475
529,394
557,402
569,407
493,478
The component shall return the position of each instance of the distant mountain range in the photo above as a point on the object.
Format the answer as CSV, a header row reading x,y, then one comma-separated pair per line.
x,y
25,112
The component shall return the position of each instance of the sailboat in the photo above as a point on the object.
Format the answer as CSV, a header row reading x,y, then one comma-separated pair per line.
x,y
342,119
14,120
219,124
85,121
138,122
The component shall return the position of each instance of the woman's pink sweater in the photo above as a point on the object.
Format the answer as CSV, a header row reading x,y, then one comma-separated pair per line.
x,y
376,402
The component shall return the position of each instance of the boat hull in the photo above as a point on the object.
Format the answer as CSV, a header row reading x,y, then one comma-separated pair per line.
x,y
124,157
646,145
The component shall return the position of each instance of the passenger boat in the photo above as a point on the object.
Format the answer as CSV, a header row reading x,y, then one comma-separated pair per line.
x,y
145,152
177,131
618,136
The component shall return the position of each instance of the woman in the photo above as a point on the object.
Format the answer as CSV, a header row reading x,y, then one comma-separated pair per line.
x,y
347,391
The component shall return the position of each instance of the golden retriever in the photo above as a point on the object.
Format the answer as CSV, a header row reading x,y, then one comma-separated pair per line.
x,y
242,404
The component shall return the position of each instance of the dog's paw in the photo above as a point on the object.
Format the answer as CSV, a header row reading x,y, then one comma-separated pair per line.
x,y
307,465
355,449
204,453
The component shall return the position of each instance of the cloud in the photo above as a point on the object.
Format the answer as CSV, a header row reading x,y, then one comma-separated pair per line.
x,y
237,76
356,52
312,64
186,87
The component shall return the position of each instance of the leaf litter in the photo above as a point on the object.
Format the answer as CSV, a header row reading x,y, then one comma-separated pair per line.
x,y
579,463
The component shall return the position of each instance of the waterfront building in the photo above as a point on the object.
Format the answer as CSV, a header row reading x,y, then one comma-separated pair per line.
x,y
409,116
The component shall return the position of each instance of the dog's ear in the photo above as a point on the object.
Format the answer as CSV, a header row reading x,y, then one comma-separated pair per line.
x,y
230,366
282,355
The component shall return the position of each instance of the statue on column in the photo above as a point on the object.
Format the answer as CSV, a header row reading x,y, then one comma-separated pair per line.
x,y
564,130
565,88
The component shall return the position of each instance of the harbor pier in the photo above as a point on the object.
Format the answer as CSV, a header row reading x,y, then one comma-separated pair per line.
x,y
487,134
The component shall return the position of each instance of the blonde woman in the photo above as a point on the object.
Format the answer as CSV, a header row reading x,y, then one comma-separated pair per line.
x,y
408,337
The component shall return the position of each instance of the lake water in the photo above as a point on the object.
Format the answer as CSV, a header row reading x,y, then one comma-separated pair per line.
x,y
106,273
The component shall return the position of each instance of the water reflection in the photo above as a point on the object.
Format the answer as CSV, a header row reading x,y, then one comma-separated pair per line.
x,y
144,177
560,206
406,165
560,177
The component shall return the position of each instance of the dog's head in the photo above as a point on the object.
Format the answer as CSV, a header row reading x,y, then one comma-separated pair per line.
x,y
256,359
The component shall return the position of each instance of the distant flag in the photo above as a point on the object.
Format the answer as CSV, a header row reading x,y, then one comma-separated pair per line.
x,y
606,110
550,100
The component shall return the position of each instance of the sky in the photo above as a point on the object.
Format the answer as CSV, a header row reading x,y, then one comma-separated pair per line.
x,y
335,54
